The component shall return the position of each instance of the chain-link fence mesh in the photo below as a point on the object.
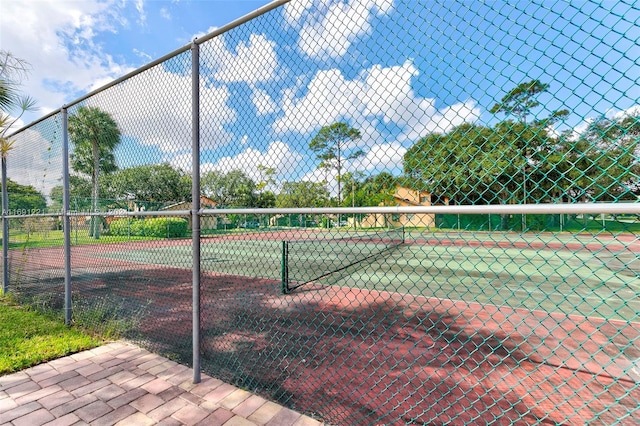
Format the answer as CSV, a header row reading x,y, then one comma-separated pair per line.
x,y
411,212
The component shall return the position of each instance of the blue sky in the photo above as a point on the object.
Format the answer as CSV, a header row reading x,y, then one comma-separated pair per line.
x,y
395,69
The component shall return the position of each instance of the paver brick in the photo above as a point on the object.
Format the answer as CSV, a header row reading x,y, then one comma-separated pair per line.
x,y
114,416
41,393
7,404
90,369
39,369
109,392
157,369
249,406
11,380
93,411
74,365
137,382
232,400
284,417
138,419
150,364
169,421
265,413
61,362
56,399
58,378
105,373
239,421
219,393
102,349
79,356
190,415
206,385
68,420
218,417
147,403
121,377
73,405
19,411
35,418
191,398
39,378
90,387
127,397
167,409
307,421
171,393
74,383
156,386
181,377
112,362
23,389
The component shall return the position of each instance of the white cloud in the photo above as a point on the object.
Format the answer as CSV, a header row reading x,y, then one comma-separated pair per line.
x,y
142,19
165,13
582,127
377,94
58,42
329,98
263,102
34,161
380,157
328,28
278,156
154,107
253,61
632,111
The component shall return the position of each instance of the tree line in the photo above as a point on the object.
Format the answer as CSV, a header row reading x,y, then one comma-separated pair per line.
x,y
522,161
518,160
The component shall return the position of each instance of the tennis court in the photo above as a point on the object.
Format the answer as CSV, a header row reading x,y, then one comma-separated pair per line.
x,y
487,326
587,277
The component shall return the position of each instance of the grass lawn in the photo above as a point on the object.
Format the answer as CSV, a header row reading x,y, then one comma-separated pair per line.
x,y
19,239
28,337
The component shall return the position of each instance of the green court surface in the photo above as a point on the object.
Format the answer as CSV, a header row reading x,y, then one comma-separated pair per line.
x,y
602,283
252,258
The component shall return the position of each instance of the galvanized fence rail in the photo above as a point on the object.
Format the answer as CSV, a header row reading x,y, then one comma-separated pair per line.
x,y
374,212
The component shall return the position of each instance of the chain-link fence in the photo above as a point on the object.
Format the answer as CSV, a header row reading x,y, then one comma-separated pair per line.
x,y
390,212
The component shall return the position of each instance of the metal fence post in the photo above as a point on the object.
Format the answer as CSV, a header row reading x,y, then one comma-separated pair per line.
x,y
5,227
195,203
66,220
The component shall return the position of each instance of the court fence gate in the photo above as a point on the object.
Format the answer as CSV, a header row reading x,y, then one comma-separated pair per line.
x,y
369,211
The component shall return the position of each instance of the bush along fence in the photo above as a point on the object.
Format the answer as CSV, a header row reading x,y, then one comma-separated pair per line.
x,y
373,212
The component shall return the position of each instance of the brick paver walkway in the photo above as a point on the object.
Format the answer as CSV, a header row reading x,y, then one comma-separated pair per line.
x,y
122,384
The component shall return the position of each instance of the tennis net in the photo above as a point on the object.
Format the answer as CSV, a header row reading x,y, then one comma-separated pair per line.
x,y
308,260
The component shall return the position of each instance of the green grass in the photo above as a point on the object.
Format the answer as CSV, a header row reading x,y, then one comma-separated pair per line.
x,y
28,337
19,239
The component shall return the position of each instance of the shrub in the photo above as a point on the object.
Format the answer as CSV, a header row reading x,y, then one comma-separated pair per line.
x,y
171,227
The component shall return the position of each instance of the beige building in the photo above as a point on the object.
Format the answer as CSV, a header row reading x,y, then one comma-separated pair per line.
x,y
206,222
405,197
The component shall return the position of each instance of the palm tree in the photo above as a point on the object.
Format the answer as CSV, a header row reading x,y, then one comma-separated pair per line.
x,y
95,135
12,71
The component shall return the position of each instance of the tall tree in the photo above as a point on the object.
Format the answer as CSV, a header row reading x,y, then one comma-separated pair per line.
x,y
302,194
330,146
96,135
156,183
520,100
602,164
25,199
232,189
